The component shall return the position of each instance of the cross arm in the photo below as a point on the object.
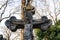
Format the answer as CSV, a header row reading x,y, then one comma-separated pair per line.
x,y
16,24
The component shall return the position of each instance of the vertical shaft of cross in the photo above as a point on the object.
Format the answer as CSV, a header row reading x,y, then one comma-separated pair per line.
x,y
28,32
26,16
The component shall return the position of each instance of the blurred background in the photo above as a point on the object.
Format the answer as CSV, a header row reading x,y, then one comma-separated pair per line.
x,y
49,8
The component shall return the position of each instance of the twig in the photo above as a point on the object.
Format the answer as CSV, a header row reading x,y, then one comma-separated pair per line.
x,y
4,8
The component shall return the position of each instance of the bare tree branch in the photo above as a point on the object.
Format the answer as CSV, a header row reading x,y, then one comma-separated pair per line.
x,y
38,13
10,13
3,5
4,8
58,14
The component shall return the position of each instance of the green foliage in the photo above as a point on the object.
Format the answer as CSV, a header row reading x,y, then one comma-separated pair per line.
x,y
53,33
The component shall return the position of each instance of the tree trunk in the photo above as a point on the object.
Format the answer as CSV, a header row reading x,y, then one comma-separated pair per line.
x,y
21,34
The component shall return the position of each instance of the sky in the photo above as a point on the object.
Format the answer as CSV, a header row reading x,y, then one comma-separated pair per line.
x,y
16,4
12,4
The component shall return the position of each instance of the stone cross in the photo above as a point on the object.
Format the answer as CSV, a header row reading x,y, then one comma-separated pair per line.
x,y
28,23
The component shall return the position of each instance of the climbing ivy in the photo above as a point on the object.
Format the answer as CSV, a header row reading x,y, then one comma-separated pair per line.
x,y
53,33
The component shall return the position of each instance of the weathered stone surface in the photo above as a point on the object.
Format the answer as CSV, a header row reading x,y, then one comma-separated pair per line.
x,y
28,32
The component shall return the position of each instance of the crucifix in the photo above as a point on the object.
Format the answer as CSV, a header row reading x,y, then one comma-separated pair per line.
x,y
27,23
